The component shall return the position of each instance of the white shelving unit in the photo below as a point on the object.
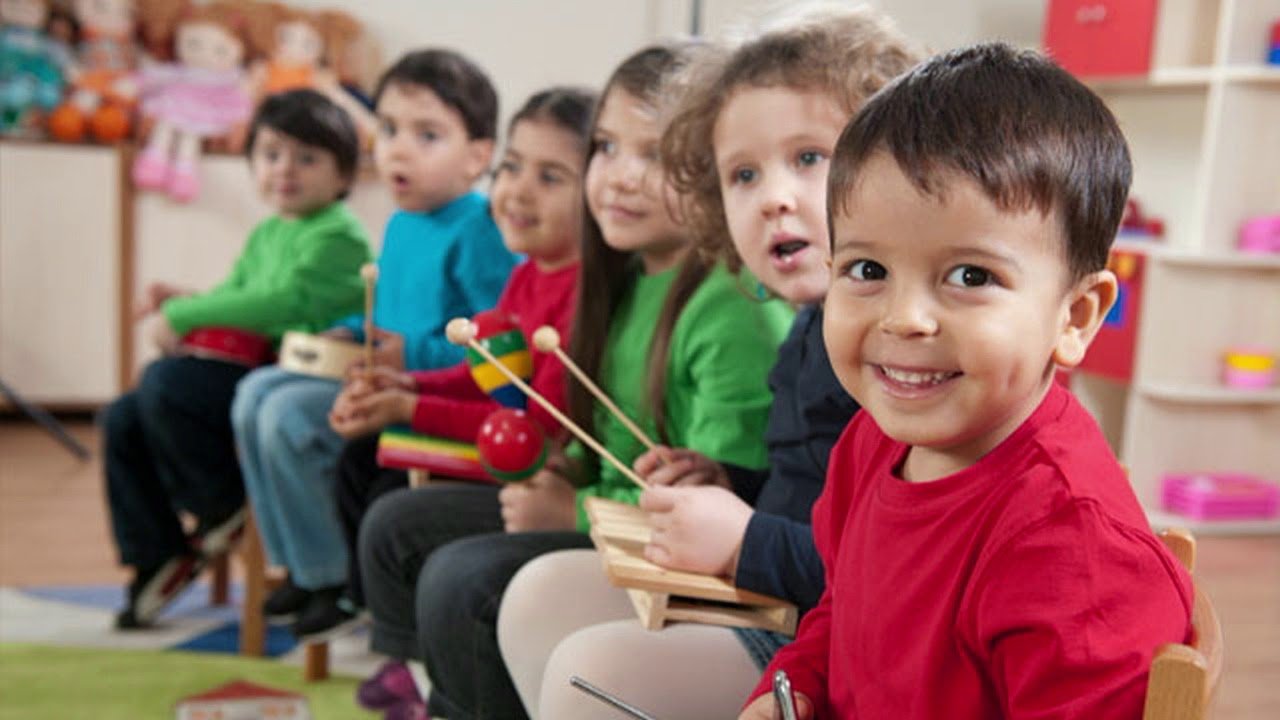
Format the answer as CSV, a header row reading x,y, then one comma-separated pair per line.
x,y
1204,130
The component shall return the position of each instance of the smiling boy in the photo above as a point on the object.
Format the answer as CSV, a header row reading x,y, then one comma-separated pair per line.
x,y
985,555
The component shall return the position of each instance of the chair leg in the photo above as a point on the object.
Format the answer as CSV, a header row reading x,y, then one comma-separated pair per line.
x,y
220,582
317,662
253,626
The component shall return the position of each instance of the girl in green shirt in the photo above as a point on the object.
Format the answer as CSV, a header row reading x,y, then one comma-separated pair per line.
x,y
671,338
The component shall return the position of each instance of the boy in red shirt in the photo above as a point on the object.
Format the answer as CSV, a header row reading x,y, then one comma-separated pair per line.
x,y
985,556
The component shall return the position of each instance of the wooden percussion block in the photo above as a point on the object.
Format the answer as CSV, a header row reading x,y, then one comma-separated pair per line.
x,y
661,596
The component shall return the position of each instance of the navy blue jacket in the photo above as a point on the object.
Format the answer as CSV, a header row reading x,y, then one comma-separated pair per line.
x,y
809,412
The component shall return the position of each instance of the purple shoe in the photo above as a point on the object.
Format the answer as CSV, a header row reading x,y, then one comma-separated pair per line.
x,y
407,710
391,686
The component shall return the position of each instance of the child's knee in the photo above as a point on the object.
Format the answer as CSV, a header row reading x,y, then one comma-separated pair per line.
x,y
121,420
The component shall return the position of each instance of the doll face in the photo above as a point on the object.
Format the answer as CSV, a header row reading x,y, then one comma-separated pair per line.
x,y
24,13
110,17
298,43
209,46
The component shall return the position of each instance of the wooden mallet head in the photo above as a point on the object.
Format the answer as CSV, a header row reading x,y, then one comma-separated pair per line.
x,y
546,339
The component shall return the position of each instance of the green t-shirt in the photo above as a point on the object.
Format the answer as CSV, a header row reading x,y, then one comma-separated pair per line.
x,y
717,397
294,274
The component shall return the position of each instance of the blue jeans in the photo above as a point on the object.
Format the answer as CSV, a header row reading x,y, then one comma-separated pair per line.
x,y
288,457
167,447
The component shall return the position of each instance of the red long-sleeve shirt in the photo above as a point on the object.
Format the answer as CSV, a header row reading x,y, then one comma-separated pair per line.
x,y
1028,585
451,405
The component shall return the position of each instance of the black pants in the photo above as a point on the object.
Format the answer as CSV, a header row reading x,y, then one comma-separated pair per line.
x,y
360,482
459,592
169,447
402,530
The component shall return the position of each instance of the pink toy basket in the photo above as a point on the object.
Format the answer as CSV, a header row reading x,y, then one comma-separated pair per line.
x,y
1220,496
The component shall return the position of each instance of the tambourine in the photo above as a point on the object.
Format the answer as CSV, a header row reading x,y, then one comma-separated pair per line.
x,y
317,355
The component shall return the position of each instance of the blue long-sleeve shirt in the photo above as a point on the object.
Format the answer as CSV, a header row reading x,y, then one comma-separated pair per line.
x,y
436,266
810,409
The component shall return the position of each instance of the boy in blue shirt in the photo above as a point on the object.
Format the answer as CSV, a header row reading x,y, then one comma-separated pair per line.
x,y
442,257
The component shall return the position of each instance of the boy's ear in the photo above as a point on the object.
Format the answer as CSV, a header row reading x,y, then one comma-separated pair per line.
x,y
479,156
1088,304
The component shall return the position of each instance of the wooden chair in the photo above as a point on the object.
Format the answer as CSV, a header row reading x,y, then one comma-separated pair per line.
x,y
1184,677
257,584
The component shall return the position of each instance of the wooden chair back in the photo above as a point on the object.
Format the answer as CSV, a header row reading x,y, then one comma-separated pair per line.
x,y
1184,677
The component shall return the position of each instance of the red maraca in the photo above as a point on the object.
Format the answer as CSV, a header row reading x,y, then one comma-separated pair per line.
x,y
511,445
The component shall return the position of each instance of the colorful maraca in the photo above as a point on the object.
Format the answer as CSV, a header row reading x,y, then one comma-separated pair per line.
x,y
501,336
511,445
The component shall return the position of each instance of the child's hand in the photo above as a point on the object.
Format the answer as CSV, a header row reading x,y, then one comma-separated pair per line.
x,y
698,529
382,378
764,708
356,416
543,502
677,466
388,349
162,334
153,297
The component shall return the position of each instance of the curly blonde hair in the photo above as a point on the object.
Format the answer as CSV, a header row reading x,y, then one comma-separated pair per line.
x,y
847,53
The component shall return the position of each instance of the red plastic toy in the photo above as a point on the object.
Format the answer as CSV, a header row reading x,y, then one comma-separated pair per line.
x,y
512,446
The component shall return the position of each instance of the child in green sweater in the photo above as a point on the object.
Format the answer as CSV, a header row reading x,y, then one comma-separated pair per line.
x,y
168,443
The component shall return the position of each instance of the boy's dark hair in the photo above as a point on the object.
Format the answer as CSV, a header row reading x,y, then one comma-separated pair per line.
x,y
458,82
569,108
1027,132
311,119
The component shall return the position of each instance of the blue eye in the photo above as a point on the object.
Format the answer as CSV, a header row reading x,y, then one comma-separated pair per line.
x,y
507,166
388,128
428,135
810,157
970,276
742,176
867,270
605,147
548,177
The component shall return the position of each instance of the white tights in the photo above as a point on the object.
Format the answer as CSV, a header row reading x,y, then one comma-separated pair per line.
x,y
560,617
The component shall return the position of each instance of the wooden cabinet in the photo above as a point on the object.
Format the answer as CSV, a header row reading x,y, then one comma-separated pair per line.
x,y
1204,129
61,226
77,245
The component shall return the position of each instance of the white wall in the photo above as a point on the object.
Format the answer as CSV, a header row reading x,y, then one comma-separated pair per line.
x,y
526,45
938,24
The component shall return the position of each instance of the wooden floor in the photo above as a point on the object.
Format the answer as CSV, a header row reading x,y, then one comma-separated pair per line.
x,y
54,530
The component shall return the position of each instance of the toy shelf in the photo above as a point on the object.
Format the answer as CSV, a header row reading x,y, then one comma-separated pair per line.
x,y
1191,394
1204,131
1161,519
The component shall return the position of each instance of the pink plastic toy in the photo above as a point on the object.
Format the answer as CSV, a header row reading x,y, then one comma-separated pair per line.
x,y
1249,368
1220,496
1261,235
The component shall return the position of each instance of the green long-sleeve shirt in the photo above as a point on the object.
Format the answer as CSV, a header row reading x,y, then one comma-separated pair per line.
x,y
717,397
294,274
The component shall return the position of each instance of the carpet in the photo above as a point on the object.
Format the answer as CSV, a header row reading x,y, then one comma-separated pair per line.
x,y
39,682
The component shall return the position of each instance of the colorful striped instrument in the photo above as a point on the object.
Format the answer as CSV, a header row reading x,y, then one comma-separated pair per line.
x,y
399,447
502,337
